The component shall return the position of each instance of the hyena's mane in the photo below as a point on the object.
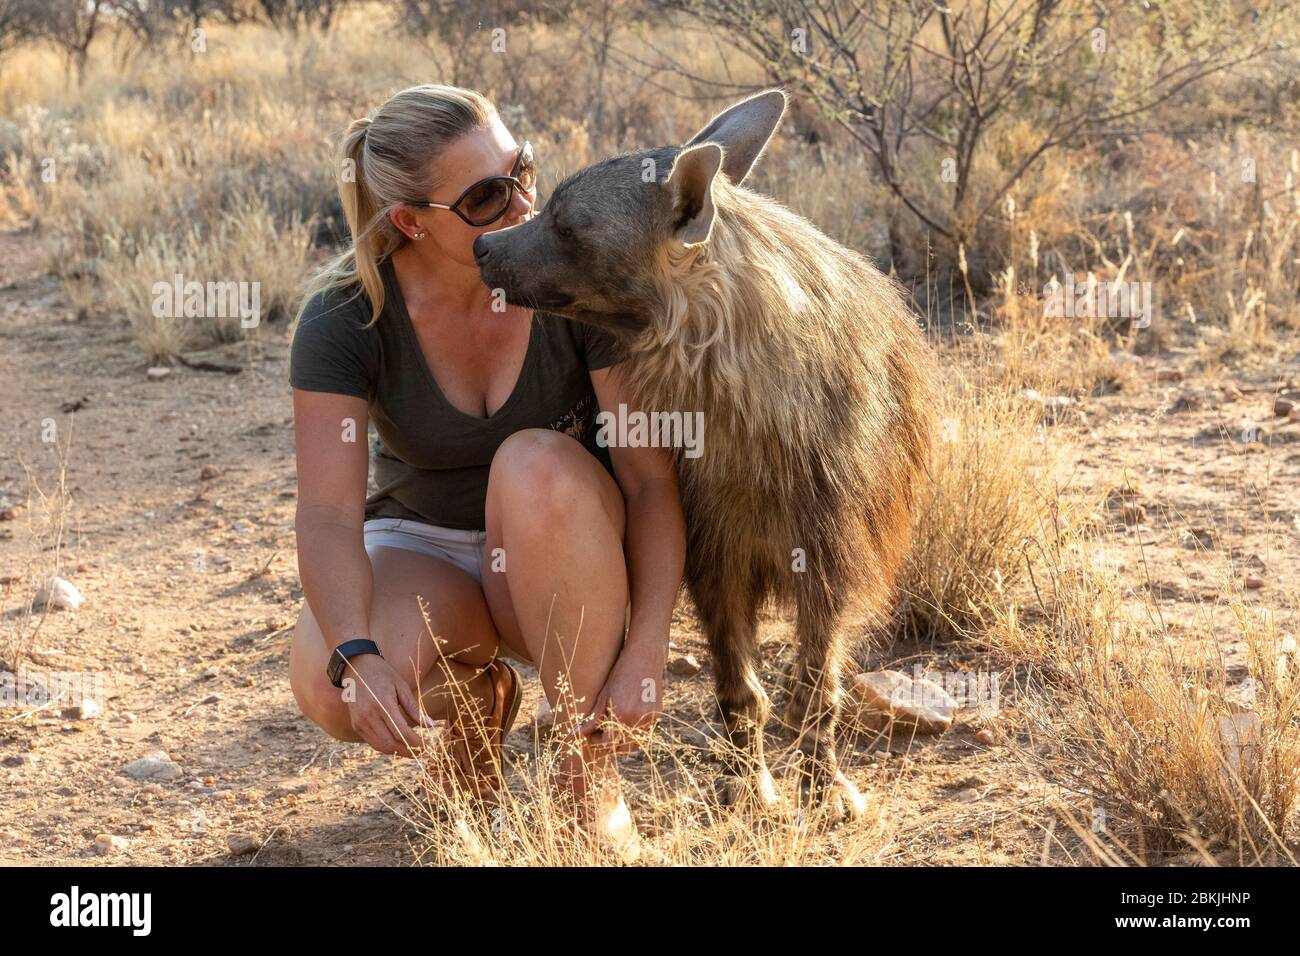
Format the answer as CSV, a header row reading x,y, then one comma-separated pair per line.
x,y
814,380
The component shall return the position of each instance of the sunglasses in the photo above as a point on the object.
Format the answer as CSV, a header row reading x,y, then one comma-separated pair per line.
x,y
487,200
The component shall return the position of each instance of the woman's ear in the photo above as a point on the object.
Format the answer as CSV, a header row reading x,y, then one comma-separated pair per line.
x,y
404,219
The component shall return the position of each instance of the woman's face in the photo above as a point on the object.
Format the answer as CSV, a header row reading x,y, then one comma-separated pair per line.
x,y
490,151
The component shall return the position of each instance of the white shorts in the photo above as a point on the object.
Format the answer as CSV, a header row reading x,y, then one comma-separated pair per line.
x,y
461,548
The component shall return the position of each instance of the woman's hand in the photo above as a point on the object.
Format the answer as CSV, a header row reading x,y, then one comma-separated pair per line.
x,y
384,710
632,697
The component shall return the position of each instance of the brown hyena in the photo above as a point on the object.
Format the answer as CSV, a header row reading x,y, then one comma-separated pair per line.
x,y
816,388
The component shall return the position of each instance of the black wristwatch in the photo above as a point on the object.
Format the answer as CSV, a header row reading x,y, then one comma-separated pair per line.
x,y
345,652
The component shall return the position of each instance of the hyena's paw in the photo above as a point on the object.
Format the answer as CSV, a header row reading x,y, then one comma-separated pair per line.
x,y
756,791
832,803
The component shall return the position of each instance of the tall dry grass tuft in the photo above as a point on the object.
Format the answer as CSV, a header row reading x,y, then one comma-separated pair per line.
x,y
992,484
247,242
48,525
1151,734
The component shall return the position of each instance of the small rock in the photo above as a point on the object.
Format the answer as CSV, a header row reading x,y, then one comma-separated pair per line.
x,y
8,514
210,672
88,709
155,766
1282,406
18,760
208,473
883,697
1134,512
106,843
1295,415
58,593
242,526
1170,374
1253,582
684,666
242,844
1231,393
157,372
1201,537
985,737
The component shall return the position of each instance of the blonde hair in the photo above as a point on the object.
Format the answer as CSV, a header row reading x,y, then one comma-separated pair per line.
x,y
384,159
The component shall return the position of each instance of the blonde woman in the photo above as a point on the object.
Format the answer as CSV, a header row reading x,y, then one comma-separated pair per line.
x,y
495,505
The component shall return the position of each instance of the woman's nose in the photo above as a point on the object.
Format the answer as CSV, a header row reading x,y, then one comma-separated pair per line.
x,y
521,204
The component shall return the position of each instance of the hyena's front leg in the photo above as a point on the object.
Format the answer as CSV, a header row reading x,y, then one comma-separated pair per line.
x,y
814,705
727,602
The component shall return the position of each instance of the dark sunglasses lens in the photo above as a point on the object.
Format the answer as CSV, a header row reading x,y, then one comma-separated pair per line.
x,y
487,202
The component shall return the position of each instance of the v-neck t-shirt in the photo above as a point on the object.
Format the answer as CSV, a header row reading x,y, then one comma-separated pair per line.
x,y
432,459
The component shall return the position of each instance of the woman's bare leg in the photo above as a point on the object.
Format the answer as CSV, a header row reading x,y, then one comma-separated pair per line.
x,y
557,518
457,614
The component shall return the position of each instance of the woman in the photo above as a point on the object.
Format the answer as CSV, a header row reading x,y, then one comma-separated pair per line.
x,y
495,504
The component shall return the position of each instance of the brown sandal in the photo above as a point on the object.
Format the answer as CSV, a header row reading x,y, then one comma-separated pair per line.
x,y
477,758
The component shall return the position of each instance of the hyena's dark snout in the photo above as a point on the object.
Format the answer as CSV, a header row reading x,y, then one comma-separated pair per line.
x,y
482,251
490,260
498,257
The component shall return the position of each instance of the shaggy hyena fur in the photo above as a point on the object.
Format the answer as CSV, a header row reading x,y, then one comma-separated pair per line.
x,y
816,387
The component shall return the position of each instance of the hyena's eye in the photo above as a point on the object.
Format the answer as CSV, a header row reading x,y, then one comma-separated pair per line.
x,y
564,231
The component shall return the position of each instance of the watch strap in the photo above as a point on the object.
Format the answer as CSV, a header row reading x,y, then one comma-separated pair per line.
x,y
345,652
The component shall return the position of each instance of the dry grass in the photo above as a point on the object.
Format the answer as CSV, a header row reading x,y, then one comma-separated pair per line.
x,y
1150,738
992,485
216,166
48,514
669,786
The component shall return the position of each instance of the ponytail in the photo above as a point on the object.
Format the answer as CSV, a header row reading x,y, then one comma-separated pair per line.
x,y
386,158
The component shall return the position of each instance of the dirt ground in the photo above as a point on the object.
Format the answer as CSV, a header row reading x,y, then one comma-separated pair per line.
x,y
191,589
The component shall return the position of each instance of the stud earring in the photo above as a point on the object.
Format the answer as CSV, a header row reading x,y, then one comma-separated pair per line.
x,y
420,235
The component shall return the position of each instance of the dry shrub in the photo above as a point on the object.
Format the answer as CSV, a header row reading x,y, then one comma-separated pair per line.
x,y
991,486
1166,751
1074,356
246,245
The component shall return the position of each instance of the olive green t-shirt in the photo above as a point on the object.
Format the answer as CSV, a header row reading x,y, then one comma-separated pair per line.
x,y
432,460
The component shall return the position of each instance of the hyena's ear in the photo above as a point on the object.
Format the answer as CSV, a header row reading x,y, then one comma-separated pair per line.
x,y
690,184
743,131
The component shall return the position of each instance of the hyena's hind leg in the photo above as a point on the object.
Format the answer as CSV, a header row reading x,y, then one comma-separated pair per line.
x,y
727,601
814,705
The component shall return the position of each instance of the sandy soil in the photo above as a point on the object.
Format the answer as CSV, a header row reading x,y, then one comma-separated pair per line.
x,y
191,587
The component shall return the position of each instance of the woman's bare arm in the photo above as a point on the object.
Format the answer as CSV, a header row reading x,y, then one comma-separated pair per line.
x,y
330,434
656,536
331,511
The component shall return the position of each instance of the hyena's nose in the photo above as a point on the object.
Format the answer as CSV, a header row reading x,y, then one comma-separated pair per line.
x,y
481,251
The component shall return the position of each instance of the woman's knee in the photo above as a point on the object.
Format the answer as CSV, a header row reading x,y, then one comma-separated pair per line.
x,y
548,476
